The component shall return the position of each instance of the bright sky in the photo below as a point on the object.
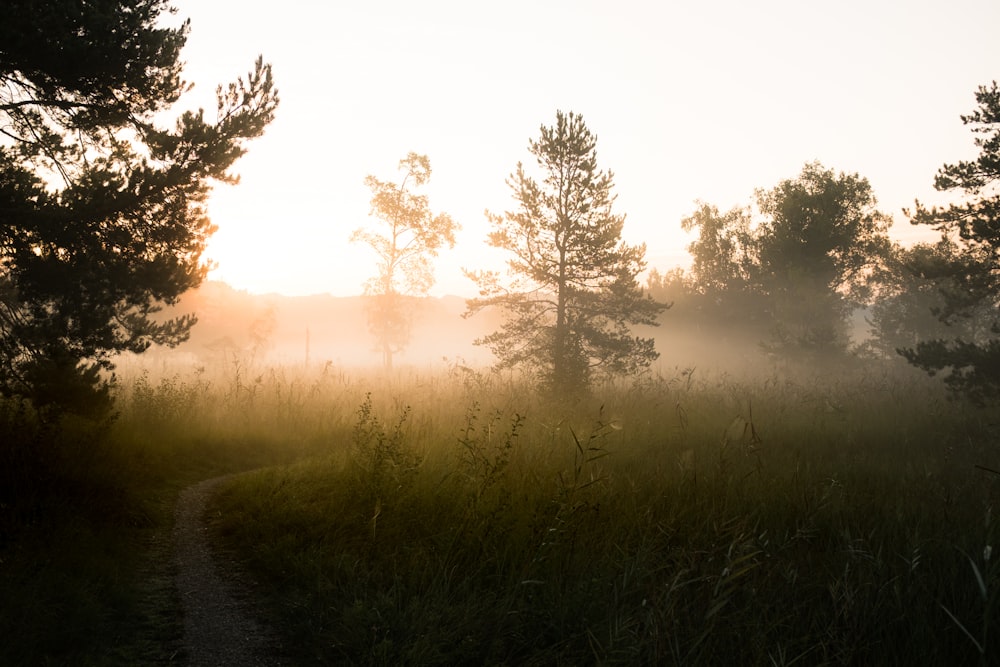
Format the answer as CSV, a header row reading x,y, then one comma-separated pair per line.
x,y
689,101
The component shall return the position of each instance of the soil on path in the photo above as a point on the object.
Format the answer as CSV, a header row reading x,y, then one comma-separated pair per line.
x,y
219,628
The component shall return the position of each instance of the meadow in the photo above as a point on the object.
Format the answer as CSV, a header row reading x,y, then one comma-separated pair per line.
x,y
453,516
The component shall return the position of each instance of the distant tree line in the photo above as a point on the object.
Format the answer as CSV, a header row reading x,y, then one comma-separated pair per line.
x,y
790,270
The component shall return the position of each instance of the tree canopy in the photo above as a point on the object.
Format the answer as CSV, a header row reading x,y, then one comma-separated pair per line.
x,y
102,210
803,260
572,291
820,234
724,254
411,236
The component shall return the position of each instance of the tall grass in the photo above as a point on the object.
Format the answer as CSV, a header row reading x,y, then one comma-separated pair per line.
x,y
456,517
681,520
86,509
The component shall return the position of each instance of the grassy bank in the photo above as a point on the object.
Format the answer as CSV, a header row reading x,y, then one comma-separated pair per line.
x,y
678,522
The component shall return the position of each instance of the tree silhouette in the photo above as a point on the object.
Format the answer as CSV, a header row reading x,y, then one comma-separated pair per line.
x,y
804,262
972,279
919,288
411,237
102,211
724,256
573,291
725,292
821,232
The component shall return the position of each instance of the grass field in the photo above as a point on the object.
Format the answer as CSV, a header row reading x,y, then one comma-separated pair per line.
x,y
454,517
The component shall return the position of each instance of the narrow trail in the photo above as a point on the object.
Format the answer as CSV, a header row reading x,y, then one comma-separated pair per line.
x,y
219,629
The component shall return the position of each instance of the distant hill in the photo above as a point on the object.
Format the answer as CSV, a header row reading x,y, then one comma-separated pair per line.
x,y
287,329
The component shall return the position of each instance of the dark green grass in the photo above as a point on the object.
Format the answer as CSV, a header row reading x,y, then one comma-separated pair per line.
x,y
75,543
86,510
683,523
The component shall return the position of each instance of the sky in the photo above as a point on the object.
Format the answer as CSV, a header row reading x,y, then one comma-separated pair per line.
x,y
704,101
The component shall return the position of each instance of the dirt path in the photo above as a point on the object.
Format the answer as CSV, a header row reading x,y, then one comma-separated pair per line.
x,y
219,630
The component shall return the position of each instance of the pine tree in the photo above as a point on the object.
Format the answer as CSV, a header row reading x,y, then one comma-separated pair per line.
x,y
573,291
102,211
971,282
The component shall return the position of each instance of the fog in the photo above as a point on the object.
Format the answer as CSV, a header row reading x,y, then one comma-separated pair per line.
x,y
319,329
322,330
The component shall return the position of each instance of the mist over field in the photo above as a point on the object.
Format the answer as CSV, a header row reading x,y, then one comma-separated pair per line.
x,y
292,330
235,326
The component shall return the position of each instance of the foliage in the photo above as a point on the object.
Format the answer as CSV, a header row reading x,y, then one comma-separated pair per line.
x,y
919,288
413,235
821,233
724,293
102,218
573,291
970,287
86,512
842,520
384,463
802,267
669,286
724,255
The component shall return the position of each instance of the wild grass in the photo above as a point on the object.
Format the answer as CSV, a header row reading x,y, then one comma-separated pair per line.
x,y
677,521
456,517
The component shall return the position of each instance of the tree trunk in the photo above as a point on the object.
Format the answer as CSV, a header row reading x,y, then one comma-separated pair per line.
x,y
559,365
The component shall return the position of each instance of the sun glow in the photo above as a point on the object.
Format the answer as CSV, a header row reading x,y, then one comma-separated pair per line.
x,y
693,103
